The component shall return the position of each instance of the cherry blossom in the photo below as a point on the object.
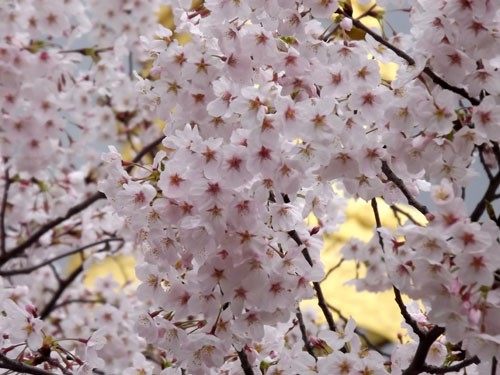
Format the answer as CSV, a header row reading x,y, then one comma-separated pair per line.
x,y
231,154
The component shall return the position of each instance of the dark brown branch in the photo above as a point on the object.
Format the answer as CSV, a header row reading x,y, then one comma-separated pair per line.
x,y
49,307
425,338
51,260
397,294
245,365
406,315
70,301
317,287
453,368
367,341
3,235
496,151
435,78
331,270
18,250
148,148
400,184
21,368
303,332
397,210
418,363
489,196
487,169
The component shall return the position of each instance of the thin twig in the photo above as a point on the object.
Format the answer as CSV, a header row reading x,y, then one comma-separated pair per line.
x,y
484,164
397,294
303,332
18,250
49,307
245,364
326,36
488,196
453,368
426,339
317,287
21,368
368,342
51,260
400,184
331,270
435,78
71,301
148,148
3,211
406,315
397,210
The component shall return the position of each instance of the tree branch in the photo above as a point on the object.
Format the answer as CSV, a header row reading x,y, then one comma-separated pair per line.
x,y
406,315
18,250
49,307
245,365
489,196
435,78
400,184
19,367
483,162
396,209
303,332
452,368
70,301
147,149
418,363
397,294
51,260
3,235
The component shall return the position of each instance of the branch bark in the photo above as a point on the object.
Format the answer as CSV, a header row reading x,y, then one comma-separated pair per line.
x,y
19,367
410,60
19,249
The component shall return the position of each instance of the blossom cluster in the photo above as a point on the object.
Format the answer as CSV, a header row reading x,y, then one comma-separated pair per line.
x,y
274,112
65,92
266,109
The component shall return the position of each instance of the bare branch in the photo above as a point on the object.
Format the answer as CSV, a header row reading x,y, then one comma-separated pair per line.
x,y
406,315
51,260
418,363
426,339
435,78
70,301
49,307
483,162
397,210
18,250
489,196
3,235
245,365
331,270
367,341
147,149
19,367
453,368
303,332
400,184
